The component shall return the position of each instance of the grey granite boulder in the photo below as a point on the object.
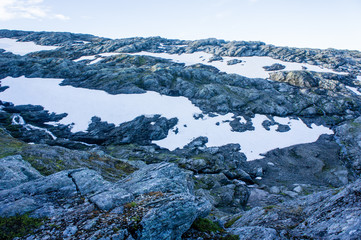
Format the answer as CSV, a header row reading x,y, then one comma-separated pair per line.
x,y
14,171
274,67
173,217
296,78
33,195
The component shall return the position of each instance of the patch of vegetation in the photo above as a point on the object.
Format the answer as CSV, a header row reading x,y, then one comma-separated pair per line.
x,y
336,191
130,205
135,219
232,221
269,207
355,124
199,156
18,226
206,225
9,145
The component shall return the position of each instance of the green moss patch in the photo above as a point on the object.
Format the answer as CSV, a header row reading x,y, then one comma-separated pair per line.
x,y
206,225
18,226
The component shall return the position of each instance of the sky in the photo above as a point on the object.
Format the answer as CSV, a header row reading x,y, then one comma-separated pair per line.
x,y
294,23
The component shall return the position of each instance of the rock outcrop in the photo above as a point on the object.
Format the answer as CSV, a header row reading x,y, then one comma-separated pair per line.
x,y
161,193
97,184
332,214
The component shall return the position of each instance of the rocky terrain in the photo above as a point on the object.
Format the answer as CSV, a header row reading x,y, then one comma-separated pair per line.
x,y
113,182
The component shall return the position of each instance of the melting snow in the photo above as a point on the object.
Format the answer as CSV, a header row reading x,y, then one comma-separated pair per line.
x,y
22,48
251,67
94,58
18,120
354,90
85,58
82,104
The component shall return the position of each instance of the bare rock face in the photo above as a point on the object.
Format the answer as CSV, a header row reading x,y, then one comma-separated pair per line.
x,y
348,136
332,214
14,171
274,67
161,193
295,78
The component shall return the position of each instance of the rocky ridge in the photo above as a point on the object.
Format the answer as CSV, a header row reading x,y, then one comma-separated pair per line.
x,y
112,183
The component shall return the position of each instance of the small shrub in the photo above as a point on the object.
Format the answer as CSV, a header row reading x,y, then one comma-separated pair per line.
x,y
135,219
269,207
206,225
232,221
131,205
18,226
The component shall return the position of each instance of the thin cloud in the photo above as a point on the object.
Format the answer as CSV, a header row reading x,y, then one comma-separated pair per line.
x,y
29,9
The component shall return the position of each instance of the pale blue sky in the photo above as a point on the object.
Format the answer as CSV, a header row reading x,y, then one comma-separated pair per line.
x,y
298,23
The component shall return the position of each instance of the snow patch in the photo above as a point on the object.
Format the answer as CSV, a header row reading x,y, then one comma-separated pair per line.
x,y
18,120
96,58
251,67
85,58
82,104
354,90
22,48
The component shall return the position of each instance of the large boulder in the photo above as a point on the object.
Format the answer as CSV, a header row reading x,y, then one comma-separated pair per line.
x,y
296,78
274,67
14,171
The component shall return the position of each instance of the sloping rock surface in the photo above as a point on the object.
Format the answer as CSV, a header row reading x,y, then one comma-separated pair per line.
x,y
162,194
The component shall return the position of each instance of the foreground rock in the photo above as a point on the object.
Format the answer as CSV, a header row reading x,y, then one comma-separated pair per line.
x,y
156,202
332,214
14,171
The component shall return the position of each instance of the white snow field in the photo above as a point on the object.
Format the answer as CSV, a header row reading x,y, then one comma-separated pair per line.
x,y
22,48
251,67
354,90
81,104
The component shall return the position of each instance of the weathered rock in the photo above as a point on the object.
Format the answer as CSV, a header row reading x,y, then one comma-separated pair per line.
x,y
14,171
255,232
228,195
173,218
141,130
215,58
37,195
274,67
237,126
330,214
166,218
316,164
348,135
234,61
296,78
